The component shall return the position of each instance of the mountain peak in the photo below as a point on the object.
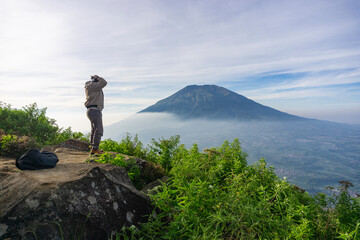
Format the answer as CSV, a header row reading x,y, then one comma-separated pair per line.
x,y
208,87
215,102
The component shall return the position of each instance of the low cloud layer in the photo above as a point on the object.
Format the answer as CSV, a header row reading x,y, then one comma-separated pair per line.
x,y
311,154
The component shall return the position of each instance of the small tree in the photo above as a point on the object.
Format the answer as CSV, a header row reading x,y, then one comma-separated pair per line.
x,y
165,150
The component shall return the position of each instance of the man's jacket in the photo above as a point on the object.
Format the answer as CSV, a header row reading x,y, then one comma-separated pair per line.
x,y
94,94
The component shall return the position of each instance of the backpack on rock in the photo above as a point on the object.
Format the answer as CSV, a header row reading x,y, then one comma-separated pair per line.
x,y
34,160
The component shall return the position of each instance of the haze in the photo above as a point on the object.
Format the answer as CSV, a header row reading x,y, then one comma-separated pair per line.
x,y
310,153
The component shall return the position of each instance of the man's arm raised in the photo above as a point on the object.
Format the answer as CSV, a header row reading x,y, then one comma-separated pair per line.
x,y
100,84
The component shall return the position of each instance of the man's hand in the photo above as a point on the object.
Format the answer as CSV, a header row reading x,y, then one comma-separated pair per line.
x,y
94,77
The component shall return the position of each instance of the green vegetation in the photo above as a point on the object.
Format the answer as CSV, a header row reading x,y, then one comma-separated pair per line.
x,y
164,151
130,166
12,145
128,146
161,151
28,128
130,149
217,195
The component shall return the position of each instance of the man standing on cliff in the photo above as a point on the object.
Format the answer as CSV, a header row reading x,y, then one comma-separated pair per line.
x,y
95,104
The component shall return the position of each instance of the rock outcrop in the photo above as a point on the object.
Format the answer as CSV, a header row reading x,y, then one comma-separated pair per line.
x,y
74,200
71,143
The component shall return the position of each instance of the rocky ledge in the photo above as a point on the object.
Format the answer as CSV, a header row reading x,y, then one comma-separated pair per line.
x,y
74,200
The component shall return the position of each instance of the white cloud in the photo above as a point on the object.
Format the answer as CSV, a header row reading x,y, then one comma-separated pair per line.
x,y
149,49
31,37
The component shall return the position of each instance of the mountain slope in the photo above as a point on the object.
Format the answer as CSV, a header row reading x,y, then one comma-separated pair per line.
x,y
214,102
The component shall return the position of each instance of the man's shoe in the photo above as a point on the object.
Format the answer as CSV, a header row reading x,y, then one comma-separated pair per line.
x,y
96,152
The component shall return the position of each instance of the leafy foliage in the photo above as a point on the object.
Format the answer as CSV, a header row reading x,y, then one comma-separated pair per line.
x,y
130,166
128,146
216,195
164,150
132,147
12,145
32,122
161,151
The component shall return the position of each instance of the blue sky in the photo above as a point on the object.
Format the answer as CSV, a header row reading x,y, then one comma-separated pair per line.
x,y
301,57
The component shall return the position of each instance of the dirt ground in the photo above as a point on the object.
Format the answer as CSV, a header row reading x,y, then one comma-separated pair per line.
x,y
65,155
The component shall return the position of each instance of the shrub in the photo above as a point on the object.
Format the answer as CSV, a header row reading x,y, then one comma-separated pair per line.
x,y
128,146
130,166
14,146
32,122
141,172
164,150
216,195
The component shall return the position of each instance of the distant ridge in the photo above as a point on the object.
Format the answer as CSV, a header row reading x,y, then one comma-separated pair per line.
x,y
214,102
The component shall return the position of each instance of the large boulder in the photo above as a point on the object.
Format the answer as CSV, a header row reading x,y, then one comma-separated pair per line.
x,y
74,200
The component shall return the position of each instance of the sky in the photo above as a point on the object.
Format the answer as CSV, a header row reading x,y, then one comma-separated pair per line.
x,y
300,57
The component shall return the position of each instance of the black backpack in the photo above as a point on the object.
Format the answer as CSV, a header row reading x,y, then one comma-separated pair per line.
x,y
34,159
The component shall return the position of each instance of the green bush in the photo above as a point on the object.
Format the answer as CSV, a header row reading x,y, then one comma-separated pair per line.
x,y
128,146
216,195
164,150
129,165
32,122
161,151
12,145
340,212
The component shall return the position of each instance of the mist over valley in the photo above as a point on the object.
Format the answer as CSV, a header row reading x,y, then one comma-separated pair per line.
x,y
310,153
